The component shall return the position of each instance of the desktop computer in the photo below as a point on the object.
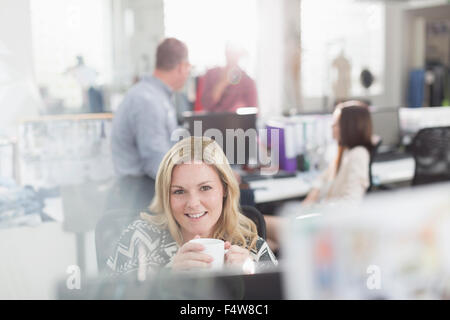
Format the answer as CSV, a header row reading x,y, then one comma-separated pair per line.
x,y
237,130
386,125
229,129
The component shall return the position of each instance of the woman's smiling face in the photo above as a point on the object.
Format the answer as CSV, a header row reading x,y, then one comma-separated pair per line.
x,y
196,199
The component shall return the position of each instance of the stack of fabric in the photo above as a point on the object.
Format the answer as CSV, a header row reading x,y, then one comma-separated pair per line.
x,y
19,205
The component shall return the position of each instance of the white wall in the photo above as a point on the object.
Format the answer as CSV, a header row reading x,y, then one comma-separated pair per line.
x,y
292,56
18,93
278,47
393,93
270,66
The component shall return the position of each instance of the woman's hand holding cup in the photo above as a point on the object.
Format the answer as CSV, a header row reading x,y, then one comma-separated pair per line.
x,y
236,256
210,254
190,256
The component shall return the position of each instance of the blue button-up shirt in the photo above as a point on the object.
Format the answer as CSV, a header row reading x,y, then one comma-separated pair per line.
x,y
142,128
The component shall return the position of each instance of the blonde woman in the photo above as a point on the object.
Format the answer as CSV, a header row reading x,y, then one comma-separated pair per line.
x,y
196,196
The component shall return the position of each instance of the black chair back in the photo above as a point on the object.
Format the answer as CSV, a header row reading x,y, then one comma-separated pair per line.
x,y
431,151
373,153
253,214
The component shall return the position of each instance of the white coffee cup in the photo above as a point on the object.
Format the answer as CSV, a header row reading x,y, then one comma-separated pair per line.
x,y
215,248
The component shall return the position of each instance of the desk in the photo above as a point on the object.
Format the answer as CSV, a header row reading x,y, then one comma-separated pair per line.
x,y
269,190
393,171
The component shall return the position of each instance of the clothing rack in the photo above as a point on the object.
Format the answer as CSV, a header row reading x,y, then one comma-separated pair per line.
x,y
55,150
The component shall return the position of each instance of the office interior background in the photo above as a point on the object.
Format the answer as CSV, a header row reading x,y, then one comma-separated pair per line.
x,y
55,157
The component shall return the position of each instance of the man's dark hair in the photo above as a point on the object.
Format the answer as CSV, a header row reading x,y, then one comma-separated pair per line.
x,y
170,53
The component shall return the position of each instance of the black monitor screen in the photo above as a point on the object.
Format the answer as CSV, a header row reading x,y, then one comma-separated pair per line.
x,y
224,128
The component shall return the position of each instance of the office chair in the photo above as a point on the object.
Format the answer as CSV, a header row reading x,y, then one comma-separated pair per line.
x,y
431,151
253,214
107,233
247,197
376,144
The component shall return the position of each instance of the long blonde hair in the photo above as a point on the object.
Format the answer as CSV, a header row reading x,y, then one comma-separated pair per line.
x,y
232,225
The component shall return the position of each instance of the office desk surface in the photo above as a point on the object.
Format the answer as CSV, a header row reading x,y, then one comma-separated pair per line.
x,y
393,171
269,190
283,188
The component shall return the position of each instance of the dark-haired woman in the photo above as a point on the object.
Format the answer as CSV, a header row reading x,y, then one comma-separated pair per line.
x,y
346,178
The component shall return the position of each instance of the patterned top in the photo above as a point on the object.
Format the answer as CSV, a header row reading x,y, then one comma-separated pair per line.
x,y
143,243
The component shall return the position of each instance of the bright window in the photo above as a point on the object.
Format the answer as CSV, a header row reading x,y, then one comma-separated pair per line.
x,y
206,25
62,30
329,27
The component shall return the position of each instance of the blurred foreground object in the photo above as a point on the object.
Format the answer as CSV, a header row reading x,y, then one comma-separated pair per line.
x,y
392,246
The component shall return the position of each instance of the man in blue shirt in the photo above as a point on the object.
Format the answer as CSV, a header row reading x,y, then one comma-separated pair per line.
x,y
143,125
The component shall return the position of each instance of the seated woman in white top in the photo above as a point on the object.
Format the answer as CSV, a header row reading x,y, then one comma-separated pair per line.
x,y
346,178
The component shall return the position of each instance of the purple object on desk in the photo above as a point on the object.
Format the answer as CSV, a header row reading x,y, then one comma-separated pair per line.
x,y
286,164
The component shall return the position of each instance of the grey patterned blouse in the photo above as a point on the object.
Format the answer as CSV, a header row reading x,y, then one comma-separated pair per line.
x,y
143,243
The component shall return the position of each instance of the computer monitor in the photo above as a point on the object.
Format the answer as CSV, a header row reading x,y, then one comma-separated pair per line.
x,y
386,125
224,128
